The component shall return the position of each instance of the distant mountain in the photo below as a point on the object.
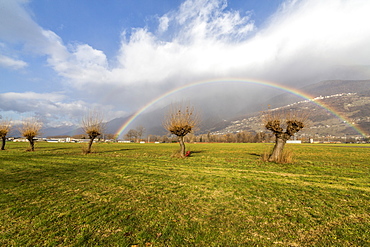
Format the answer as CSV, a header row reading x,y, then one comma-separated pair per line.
x,y
338,86
221,112
114,125
61,131
324,88
217,117
111,127
353,109
49,131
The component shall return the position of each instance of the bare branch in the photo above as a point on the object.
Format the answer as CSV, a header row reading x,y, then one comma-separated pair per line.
x,y
5,125
284,124
93,124
181,120
30,129
279,120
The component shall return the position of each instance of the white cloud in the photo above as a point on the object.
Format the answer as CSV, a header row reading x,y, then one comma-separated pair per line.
x,y
312,37
200,33
83,65
8,62
163,24
19,28
203,19
30,102
53,97
51,107
303,41
17,24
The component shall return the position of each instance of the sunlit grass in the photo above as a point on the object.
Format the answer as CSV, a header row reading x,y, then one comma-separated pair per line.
x,y
223,195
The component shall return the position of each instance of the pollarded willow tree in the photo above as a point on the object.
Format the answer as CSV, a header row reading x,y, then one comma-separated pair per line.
x,y
30,129
181,120
5,126
93,126
283,124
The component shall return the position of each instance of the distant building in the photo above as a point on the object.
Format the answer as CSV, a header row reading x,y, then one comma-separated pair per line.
x,y
294,141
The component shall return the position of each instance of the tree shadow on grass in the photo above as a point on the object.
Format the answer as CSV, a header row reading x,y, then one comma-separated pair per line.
x,y
51,149
255,154
117,150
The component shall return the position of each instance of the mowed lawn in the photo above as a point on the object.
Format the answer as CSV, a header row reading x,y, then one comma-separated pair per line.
x,y
223,195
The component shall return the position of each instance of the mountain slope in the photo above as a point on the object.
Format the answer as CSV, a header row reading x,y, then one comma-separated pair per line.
x,y
348,114
217,117
221,112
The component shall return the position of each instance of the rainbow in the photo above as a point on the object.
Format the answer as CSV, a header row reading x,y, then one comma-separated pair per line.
x,y
237,80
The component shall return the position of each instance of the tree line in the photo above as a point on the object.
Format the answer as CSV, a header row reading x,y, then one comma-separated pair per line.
x,y
239,137
181,121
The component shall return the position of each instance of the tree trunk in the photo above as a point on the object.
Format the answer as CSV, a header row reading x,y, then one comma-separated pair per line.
x,y
3,144
32,144
277,152
90,144
182,146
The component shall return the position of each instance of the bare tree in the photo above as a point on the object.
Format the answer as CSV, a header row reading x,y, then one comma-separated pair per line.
x,y
153,138
283,125
30,129
131,134
93,126
164,138
110,136
181,120
140,130
5,126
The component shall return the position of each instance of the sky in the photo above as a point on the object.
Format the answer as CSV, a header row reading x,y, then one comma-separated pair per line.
x,y
60,59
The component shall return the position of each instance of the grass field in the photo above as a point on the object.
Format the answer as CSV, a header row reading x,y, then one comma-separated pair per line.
x,y
223,195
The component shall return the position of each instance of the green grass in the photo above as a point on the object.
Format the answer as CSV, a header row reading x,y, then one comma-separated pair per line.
x,y
223,195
